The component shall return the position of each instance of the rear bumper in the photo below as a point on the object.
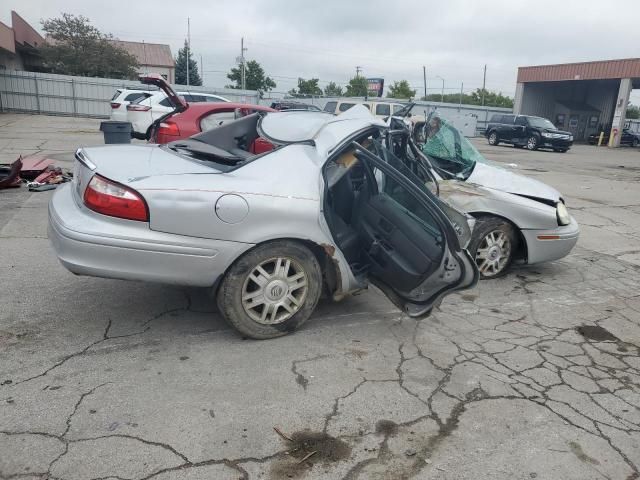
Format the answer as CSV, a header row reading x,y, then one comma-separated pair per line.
x,y
549,245
87,243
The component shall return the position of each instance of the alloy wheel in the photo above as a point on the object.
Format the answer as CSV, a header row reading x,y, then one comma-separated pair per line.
x,y
492,139
493,253
274,290
531,143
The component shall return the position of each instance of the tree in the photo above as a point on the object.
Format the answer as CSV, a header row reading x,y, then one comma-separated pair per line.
x,y
307,87
491,99
401,89
633,112
75,47
333,90
181,67
255,78
357,87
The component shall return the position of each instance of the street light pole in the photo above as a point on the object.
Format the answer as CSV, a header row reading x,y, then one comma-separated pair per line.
x,y
424,75
188,46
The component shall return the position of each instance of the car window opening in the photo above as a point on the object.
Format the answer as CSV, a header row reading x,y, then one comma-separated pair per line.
x,y
229,145
362,204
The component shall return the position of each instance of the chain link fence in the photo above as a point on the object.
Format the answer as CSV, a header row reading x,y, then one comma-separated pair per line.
x,y
50,94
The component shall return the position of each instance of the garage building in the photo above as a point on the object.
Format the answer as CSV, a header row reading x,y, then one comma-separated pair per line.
x,y
582,98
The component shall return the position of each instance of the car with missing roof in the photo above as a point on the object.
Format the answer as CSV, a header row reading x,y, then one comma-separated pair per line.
x,y
322,212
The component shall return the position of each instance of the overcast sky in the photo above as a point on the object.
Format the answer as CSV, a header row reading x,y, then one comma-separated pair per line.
x,y
327,39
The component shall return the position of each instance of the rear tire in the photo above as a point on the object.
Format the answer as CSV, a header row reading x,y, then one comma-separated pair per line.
x,y
493,245
271,290
493,139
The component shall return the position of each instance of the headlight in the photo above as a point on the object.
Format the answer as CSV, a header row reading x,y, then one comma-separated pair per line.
x,y
563,214
546,134
571,138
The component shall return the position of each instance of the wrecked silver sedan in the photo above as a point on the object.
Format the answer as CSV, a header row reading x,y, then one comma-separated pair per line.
x,y
517,218
322,212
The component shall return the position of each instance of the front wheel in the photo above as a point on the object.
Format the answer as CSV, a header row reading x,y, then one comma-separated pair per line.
x,y
635,142
493,245
532,142
271,290
493,139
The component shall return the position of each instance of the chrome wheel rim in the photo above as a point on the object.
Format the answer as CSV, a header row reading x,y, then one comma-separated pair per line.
x,y
531,143
492,138
274,290
493,253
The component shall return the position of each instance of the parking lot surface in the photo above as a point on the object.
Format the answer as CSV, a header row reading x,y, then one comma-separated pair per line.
x,y
533,375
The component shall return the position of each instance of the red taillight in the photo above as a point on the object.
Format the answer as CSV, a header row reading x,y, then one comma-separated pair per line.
x,y
115,105
169,129
111,198
138,108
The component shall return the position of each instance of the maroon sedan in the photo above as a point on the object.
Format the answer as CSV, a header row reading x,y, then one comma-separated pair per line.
x,y
191,118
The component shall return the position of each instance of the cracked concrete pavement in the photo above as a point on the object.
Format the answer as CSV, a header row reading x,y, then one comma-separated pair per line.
x,y
533,375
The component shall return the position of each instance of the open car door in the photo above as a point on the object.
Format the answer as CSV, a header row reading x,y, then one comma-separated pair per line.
x,y
411,246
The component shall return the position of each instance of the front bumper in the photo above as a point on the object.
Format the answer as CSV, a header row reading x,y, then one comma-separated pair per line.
x,y
87,243
549,245
556,143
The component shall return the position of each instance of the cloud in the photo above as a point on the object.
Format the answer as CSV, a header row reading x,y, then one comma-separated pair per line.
x,y
328,39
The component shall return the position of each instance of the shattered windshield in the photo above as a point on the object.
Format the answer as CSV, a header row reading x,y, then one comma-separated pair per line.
x,y
448,149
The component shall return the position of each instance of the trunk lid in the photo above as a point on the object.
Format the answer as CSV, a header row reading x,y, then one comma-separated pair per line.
x,y
154,79
131,164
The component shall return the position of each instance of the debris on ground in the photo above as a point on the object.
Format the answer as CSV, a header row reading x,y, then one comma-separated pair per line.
x,y
40,174
32,167
10,174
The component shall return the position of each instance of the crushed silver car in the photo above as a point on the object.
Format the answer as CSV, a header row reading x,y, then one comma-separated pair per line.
x,y
270,232
517,218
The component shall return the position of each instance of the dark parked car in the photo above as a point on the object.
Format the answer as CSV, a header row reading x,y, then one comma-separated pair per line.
x,y
288,105
527,131
628,138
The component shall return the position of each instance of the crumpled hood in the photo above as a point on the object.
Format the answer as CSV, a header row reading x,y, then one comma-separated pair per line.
x,y
128,163
498,178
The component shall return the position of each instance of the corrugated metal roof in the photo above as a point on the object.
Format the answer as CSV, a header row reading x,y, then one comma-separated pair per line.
x,y
152,54
623,68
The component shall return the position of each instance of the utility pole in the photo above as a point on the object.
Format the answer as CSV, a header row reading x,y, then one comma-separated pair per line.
x,y
358,70
484,82
188,46
424,76
461,89
201,70
242,65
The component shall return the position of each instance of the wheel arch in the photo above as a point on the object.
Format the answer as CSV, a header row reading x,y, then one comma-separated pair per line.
x,y
329,267
522,250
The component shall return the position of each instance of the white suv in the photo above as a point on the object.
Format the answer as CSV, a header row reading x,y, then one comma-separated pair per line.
x,y
123,97
144,111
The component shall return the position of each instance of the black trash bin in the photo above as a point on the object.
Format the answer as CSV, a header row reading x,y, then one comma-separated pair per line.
x,y
116,132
